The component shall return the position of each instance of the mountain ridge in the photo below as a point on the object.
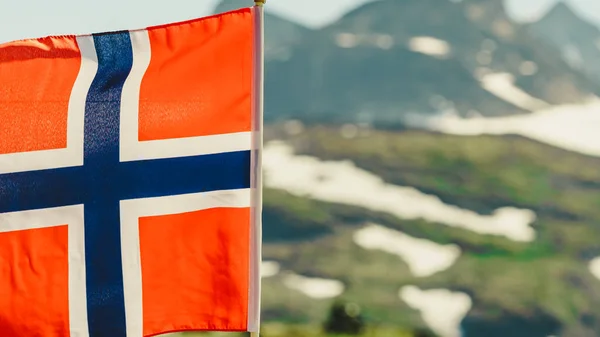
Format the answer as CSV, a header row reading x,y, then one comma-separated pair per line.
x,y
575,39
374,65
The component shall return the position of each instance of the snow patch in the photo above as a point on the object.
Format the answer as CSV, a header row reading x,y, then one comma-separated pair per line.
x,y
343,182
442,310
502,85
571,127
318,288
424,257
347,40
594,267
429,46
269,268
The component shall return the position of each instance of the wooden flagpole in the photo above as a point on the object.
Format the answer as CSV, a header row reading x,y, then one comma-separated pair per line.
x,y
258,107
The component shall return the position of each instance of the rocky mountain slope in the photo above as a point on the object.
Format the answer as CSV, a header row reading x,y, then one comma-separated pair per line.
x,y
392,57
577,40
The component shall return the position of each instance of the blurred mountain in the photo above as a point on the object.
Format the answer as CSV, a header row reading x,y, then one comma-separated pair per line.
x,y
577,39
519,288
391,57
281,35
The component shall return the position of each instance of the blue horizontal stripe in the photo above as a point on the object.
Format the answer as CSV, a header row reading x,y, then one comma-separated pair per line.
x,y
144,179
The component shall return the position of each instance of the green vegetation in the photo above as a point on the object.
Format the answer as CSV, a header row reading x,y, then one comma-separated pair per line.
x,y
538,287
479,172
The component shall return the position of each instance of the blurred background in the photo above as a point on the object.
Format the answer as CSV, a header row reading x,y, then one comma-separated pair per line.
x,y
431,166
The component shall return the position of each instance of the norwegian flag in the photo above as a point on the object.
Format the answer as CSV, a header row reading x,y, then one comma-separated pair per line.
x,y
130,180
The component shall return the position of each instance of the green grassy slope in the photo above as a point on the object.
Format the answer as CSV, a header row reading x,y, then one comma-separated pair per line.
x,y
533,287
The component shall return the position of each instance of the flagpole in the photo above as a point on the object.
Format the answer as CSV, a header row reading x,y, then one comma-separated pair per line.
x,y
257,128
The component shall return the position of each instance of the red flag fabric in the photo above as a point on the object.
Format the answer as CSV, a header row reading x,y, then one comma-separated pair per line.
x,y
125,181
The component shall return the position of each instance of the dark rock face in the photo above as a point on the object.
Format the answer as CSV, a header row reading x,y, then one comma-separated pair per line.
x,y
390,58
514,325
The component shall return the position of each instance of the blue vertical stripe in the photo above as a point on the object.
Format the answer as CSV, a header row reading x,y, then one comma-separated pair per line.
x,y
105,298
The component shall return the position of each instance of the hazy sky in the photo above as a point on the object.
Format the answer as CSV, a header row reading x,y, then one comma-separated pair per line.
x,y
32,18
